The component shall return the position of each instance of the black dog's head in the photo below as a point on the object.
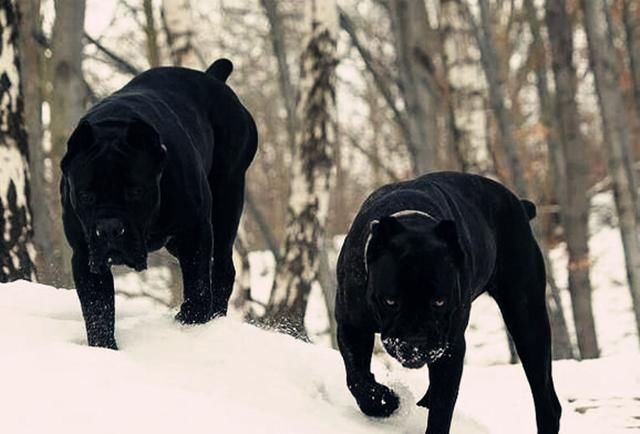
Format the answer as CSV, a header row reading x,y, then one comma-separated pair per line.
x,y
113,172
414,286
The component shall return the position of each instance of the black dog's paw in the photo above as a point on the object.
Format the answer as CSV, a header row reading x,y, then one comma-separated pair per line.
x,y
108,343
219,309
376,399
192,314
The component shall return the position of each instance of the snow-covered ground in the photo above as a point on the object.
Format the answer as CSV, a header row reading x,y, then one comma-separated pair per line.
x,y
229,377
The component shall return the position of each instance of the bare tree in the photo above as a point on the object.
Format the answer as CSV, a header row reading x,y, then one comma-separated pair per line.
x,y
276,30
151,33
312,170
570,171
16,246
414,40
631,16
485,39
616,136
67,106
32,71
178,25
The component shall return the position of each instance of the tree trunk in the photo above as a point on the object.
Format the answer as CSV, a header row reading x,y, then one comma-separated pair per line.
x,y
284,77
490,61
631,16
418,85
32,71
312,172
151,33
240,300
569,161
602,55
67,106
178,26
16,244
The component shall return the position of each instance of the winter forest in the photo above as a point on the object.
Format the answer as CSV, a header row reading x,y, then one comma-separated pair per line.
x,y
542,96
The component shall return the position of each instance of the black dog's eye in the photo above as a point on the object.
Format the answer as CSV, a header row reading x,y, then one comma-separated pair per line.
x,y
390,302
133,194
438,303
86,198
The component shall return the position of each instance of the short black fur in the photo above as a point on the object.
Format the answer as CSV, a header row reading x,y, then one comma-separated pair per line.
x,y
159,163
416,256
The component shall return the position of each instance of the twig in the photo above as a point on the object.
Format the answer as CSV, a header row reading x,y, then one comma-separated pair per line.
x,y
121,63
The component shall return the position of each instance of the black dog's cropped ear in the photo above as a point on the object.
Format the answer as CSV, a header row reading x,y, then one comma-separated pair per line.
x,y
81,139
446,230
143,136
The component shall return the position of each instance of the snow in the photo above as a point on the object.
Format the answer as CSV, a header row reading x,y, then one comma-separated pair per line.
x,y
230,377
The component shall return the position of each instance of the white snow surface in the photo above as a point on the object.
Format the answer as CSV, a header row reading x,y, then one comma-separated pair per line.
x,y
229,377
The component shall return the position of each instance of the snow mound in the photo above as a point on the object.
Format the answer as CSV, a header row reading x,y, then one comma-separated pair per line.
x,y
226,377
223,377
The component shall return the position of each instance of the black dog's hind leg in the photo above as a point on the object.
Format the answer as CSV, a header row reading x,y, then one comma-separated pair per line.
x,y
193,250
522,303
356,347
96,294
228,201
444,382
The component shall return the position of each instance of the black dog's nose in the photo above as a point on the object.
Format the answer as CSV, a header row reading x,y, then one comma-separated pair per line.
x,y
109,228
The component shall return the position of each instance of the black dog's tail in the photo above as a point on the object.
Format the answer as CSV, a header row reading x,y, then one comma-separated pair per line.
x,y
529,208
220,69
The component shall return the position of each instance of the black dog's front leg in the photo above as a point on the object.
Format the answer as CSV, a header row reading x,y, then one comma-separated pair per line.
x,y
356,347
194,254
444,382
96,295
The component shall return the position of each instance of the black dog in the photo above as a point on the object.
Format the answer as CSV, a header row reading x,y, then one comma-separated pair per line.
x,y
418,253
161,162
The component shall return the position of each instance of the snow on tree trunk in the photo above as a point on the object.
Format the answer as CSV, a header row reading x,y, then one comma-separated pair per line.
x,y
602,54
16,248
178,25
312,171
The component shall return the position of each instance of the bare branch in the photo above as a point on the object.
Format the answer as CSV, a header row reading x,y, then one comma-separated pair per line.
x,y
347,24
119,62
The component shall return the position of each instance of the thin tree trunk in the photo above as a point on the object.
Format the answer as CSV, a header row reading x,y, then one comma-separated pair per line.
x,y
631,16
240,300
454,158
490,61
569,162
284,77
327,279
151,33
16,244
379,79
67,106
418,85
32,68
312,172
178,25
616,136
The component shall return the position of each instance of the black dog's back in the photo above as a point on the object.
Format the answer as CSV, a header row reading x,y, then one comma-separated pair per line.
x,y
481,207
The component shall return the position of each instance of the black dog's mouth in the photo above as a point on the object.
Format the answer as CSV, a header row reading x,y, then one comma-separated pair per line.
x,y
414,356
100,263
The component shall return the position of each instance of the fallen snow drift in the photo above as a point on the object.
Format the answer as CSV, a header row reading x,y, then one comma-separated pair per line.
x,y
229,377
